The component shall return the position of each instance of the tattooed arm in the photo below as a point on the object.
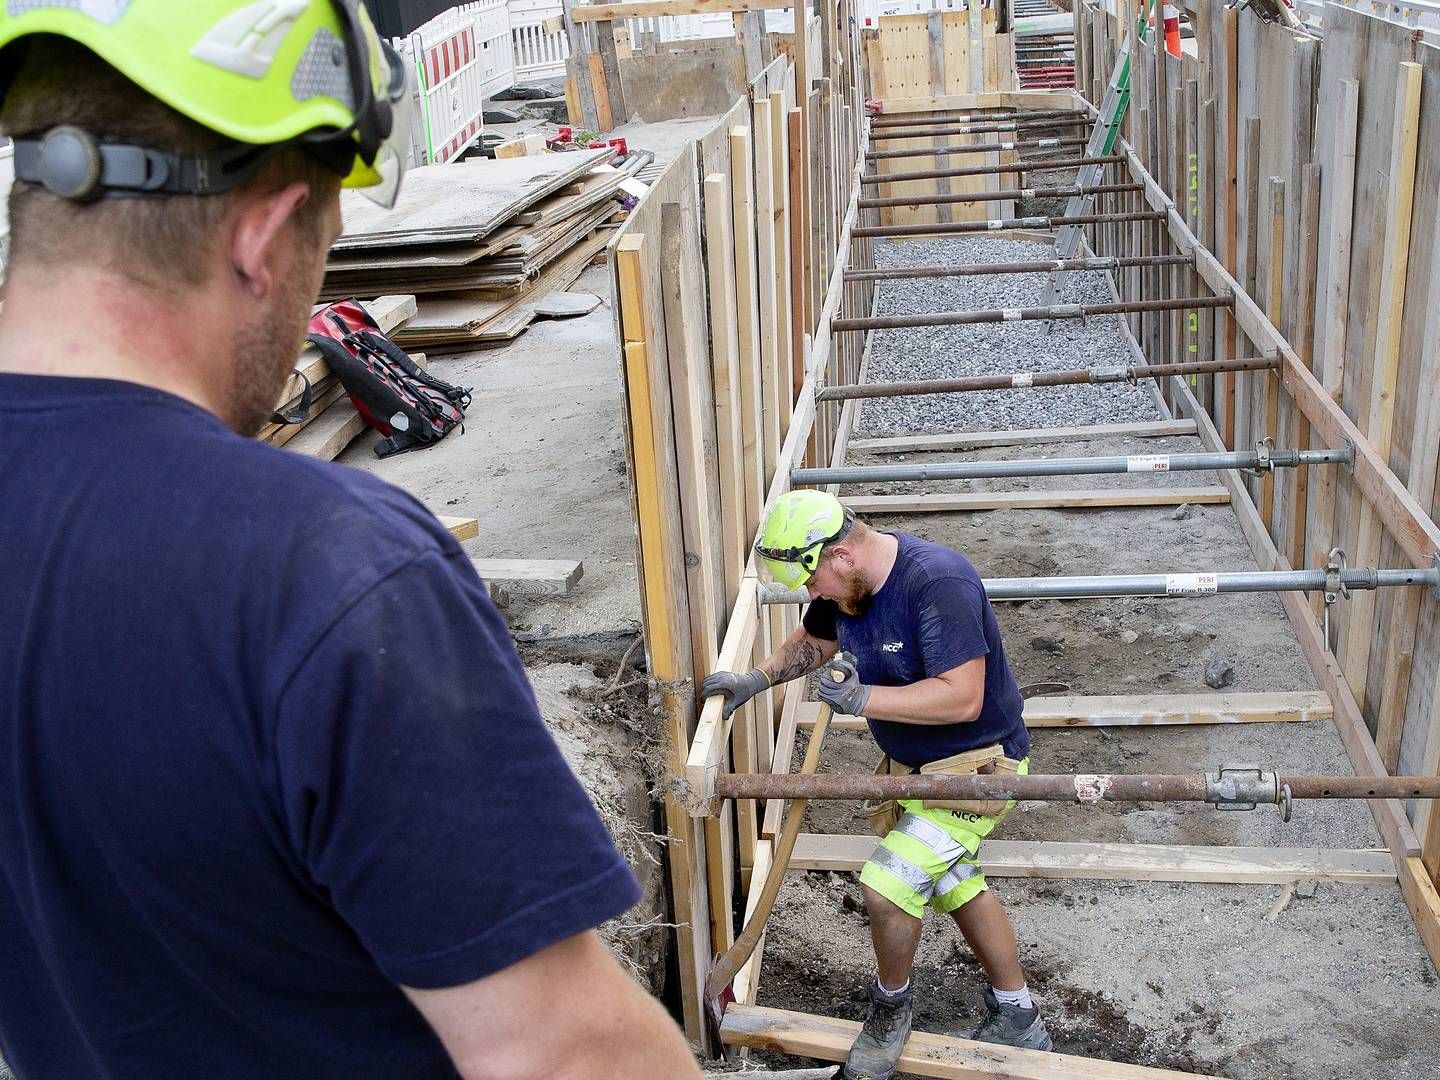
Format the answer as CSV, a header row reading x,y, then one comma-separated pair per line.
x,y
800,655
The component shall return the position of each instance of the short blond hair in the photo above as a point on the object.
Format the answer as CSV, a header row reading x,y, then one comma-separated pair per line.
x,y
157,240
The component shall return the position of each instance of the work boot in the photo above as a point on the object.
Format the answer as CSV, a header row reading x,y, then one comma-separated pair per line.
x,y
1012,1025
876,1053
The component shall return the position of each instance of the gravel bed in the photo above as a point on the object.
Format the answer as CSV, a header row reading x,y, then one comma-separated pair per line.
x,y
937,352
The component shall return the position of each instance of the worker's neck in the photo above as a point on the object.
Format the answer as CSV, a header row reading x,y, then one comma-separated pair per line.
x,y
89,323
878,558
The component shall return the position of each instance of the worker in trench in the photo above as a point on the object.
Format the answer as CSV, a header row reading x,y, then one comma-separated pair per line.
x,y
931,678
277,798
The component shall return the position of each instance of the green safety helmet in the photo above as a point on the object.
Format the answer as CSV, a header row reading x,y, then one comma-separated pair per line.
x,y
795,531
267,75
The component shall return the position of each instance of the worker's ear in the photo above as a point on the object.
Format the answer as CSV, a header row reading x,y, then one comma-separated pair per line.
x,y
262,248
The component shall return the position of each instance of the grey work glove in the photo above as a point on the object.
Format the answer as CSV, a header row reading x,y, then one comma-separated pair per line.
x,y
847,696
737,686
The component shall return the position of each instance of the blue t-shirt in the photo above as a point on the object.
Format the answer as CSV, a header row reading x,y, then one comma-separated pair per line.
x,y
931,615
267,750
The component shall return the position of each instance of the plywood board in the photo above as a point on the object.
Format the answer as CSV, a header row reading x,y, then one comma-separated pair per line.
x,y
465,201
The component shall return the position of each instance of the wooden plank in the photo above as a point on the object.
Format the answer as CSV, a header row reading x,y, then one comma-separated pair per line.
x,y
794,705
748,322
584,109
610,63
327,436
532,577
649,9
785,298
1394,263
1033,500
725,360
461,528
604,115
746,984
1147,429
1273,283
1144,710
925,1054
661,565
1129,862
1151,709
1298,485
768,275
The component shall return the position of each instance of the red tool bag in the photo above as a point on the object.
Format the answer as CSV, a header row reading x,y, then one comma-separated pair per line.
x,y
406,404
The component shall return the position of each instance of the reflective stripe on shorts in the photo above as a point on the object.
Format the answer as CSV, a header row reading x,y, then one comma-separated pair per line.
x,y
903,869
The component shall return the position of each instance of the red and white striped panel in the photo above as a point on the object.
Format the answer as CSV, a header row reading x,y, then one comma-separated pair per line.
x,y
459,142
452,54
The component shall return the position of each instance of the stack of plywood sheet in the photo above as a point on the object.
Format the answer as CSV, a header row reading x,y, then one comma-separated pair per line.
x,y
480,242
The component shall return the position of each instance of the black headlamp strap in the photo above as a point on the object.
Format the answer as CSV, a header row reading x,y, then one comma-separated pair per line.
x,y
74,164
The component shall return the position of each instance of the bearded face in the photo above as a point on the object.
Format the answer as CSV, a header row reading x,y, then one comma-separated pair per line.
x,y
265,349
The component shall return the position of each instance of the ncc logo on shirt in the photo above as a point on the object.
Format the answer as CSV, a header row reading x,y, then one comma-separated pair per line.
x,y
892,646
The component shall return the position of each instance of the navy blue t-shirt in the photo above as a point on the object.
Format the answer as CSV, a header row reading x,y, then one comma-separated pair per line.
x,y
931,615
267,751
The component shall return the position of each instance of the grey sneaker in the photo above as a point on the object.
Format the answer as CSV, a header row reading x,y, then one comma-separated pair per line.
x,y
1012,1025
876,1053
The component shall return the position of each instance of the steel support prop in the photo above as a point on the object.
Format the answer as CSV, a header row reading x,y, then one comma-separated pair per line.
x,y
1032,165
885,123
1265,459
1054,311
977,148
1003,223
977,129
1228,787
1023,379
1333,580
1034,266
999,196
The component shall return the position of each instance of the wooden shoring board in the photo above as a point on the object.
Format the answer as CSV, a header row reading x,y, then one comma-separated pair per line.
x,y
1416,885
903,444
1147,710
1380,426
1202,864
925,1055
652,467
1099,499
1333,283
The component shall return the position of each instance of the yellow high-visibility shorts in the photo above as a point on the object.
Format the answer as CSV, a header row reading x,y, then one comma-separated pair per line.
x,y
931,857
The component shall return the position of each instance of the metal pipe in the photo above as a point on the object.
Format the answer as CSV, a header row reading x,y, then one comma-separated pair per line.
x,y
1033,165
999,196
1054,311
1025,379
977,129
1229,787
976,148
1034,266
1265,459
1003,223
880,123
1332,580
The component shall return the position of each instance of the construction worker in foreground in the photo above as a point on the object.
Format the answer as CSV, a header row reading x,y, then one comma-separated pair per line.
x,y
277,799
930,676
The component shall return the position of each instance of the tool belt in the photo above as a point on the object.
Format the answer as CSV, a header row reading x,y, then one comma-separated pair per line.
x,y
883,816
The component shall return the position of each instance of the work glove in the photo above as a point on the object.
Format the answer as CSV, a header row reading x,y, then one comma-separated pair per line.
x,y
847,696
737,686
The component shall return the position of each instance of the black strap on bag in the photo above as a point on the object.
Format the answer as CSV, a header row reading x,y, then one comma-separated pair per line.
x,y
405,403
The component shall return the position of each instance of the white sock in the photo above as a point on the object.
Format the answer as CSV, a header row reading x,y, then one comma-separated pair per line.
x,y
1020,998
892,993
